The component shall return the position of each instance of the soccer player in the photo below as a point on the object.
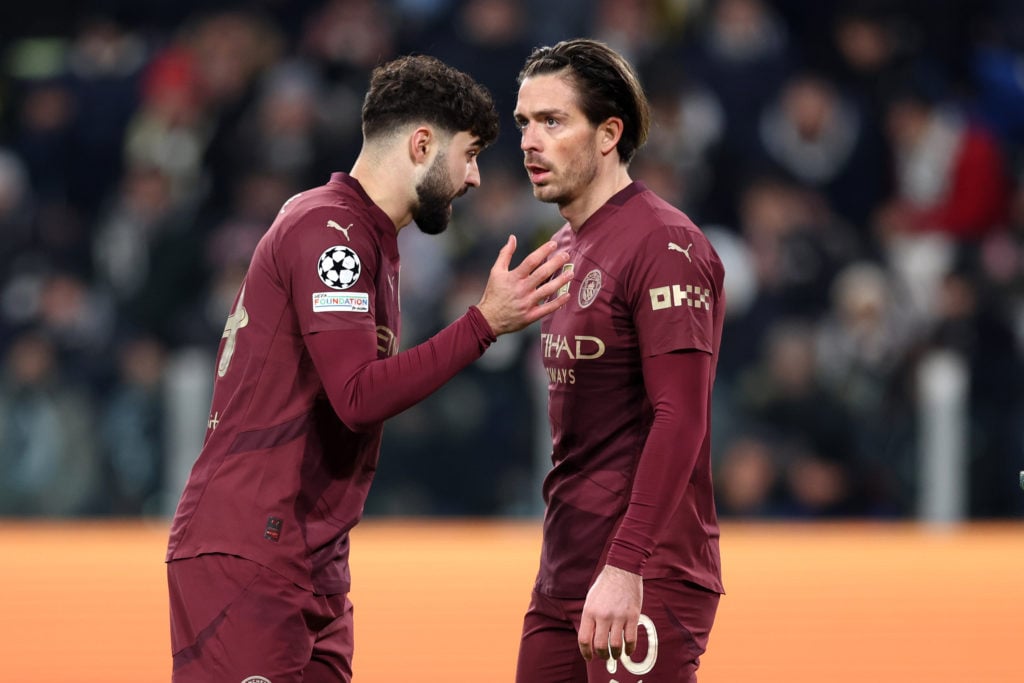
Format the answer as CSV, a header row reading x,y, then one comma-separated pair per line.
x,y
307,371
629,570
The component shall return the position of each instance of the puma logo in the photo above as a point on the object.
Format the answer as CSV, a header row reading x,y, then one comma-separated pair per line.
x,y
672,246
333,224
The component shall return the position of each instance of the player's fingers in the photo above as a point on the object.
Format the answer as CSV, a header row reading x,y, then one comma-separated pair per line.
x,y
601,642
554,274
545,308
586,637
615,651
545,270
535,258
543,291
615,640
632,628
504,259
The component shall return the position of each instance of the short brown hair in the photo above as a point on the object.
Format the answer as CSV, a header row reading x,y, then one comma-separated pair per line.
x,y
605,83
422,88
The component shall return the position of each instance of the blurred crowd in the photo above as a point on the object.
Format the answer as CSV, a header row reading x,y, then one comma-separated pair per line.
x,y
859,165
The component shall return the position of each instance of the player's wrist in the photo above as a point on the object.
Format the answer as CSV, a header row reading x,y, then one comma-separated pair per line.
x,y
626,558
483,328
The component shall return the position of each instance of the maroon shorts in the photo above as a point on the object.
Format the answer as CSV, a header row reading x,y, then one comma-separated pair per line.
x,y
235,621
675,624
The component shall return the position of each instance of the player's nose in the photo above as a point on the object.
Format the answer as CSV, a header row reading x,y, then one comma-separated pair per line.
x,y
473,174
528,141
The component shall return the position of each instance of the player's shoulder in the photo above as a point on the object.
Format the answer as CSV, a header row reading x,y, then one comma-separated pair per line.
x,y
663,231
326,213
653,220
318,205
683,241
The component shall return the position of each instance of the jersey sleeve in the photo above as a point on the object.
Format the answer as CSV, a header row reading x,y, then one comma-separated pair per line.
x,y
328,261
677,388
365,390
672,285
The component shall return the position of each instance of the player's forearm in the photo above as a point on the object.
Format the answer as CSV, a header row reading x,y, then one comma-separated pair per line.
x,y
366,391
677,385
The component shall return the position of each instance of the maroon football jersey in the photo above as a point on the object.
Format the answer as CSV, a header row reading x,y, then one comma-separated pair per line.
x,y
645,282
280,479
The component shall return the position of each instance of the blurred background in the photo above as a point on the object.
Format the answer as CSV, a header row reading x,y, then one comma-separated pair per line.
x,y
858,165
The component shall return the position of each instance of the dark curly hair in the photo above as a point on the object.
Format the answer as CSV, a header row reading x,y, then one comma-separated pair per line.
x,y
421,88
606,85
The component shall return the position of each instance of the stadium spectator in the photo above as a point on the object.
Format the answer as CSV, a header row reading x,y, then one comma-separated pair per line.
x,y
747,476
15,210
131,431
145,251
951,176
866,345
809,432
48,459
821,139
793,245
968,324
742,53
952,190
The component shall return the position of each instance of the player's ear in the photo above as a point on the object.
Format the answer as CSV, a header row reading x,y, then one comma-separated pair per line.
x,y
609,133
420,143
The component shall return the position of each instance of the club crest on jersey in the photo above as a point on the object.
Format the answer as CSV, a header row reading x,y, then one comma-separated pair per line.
x,y
338,267
589,288
256,679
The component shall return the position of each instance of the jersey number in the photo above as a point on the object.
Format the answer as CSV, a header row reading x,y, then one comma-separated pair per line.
x,y
236,321
646,665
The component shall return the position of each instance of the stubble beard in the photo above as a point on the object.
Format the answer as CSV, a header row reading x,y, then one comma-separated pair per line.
x,y
579,173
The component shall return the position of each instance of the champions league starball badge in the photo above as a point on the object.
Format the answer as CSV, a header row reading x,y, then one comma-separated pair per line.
x,y
338,267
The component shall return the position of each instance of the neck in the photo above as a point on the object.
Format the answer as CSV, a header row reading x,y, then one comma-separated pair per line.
x,y
608,182
377,173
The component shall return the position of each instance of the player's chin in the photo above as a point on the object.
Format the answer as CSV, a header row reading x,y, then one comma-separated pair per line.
x,y
545,193
434,226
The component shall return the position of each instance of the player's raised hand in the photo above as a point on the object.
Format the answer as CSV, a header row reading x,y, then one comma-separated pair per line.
x,y
611,614
515,298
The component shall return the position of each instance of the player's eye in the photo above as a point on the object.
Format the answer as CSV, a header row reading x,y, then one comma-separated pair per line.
x,y
551,122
